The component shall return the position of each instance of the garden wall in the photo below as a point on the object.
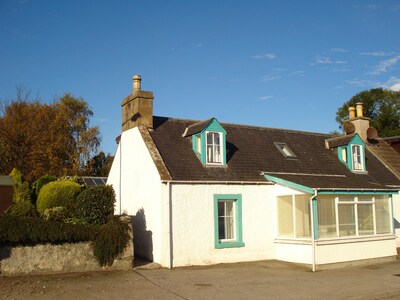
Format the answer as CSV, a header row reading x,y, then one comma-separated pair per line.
x,y
39,259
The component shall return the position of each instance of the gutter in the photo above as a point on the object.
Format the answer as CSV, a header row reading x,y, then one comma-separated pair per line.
x,y
216,182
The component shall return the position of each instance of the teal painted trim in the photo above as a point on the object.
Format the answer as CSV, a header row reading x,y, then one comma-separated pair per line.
x,y
214,126
289,184
237,198
315,218
355,192
393,223
203,147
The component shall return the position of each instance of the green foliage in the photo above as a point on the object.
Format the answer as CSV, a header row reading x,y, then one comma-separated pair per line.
x,y
57,193
38,184
21,187
99,165
21,209
95,204
30,231
57,213
110,241
382,106
76,179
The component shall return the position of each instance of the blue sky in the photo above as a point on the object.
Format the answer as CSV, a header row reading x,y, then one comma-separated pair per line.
x,y
284,64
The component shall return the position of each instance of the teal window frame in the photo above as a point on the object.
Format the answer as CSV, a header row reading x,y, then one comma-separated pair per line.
x,y
201,137
238,241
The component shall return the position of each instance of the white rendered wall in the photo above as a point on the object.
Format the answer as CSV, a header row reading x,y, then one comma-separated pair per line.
x,y
138,192
331,252
295,252
193,224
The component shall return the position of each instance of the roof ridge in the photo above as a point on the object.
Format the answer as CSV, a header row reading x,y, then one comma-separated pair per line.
x,y
251,126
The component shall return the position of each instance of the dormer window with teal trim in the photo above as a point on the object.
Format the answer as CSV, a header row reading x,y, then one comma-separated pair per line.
x,y
351,151
208,142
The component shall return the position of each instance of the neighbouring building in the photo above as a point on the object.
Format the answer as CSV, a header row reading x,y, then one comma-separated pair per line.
x,y
205,192
6,192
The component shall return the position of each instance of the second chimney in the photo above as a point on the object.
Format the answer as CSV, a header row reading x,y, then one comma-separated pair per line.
x,y
361,123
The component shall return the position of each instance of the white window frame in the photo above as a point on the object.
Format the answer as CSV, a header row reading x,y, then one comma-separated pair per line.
x,y
214,147
357,160
354,203
233,216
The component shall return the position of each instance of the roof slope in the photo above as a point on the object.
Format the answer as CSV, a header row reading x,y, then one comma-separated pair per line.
x,y
251,151
386,154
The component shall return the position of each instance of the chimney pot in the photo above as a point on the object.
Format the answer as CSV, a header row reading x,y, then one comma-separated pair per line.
x,y
359,107
136,83
352,113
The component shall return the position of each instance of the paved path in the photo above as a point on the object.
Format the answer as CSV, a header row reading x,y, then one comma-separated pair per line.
x,y
256,280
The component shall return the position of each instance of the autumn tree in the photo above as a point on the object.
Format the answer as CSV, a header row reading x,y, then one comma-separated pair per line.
x,y
99,165
381,105
40,139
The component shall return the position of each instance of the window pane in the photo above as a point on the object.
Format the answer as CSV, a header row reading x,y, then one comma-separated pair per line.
x,y
226,222
302,204
365,219
347,225
285,216
326,216
365,198
346,198
210,156
382,214
357,163
213,147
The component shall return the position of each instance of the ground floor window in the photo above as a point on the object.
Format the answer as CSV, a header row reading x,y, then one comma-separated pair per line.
x,y
228,221
294,216
353,215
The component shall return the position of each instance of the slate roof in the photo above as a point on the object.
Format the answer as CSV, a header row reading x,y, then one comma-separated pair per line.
x,y
251,151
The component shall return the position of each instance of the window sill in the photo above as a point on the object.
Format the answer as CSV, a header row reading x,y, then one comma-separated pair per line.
x,y
229,245
355,239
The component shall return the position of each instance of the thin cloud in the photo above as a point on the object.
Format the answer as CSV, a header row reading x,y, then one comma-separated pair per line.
x,y
271,77
385,65
375,53
341,50
265,97
396,87
264,56
297,73
323,60
392,83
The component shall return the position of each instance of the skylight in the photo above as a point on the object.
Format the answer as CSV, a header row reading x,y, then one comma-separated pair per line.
x,y
285,150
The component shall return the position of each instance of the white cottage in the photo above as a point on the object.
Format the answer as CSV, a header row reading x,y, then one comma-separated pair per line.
x,y
204,192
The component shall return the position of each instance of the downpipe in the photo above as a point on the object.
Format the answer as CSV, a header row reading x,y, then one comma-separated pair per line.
x,y
313,231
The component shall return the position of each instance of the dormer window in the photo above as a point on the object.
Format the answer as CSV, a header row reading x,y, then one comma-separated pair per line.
x,y
208,142
351,151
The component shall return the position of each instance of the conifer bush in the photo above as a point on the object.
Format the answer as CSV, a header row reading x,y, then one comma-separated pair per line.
x,y
57,193
95,205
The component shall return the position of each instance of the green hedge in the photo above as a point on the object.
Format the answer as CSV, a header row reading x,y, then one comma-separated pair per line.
x,y
108,240
95,204
57,193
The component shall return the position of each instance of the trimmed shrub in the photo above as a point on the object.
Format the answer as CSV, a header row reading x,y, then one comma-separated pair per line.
x,y
76,179
30,231
21,187
21,209
95,205
57,193
110,241
42,181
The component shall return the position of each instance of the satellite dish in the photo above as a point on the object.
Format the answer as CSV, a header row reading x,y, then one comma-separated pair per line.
x,y
372,134
349,128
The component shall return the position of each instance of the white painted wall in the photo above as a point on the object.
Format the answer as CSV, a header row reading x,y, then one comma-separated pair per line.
x,y
138,189
353,250
295,251
193,224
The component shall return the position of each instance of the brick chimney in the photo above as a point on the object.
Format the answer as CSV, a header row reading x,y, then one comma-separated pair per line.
x,y
137,108
357,123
